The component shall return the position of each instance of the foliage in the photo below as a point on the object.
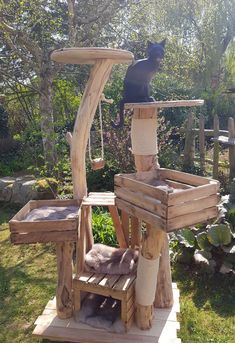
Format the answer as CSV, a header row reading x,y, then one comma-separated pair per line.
x,y
213,246
102,227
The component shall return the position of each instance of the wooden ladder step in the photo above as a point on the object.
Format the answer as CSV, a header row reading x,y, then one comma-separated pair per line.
x,y
99,199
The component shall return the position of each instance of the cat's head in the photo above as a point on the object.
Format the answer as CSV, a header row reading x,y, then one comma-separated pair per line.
x,y
156,51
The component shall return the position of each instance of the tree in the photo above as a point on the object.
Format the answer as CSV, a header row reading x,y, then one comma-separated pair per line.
x,y
30,30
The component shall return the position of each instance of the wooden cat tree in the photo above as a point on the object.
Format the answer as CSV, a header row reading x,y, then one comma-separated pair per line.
x,y
188,200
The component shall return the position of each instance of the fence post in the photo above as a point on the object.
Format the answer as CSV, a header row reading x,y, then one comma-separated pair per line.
x,y
216,148
231,136
202,142
189,147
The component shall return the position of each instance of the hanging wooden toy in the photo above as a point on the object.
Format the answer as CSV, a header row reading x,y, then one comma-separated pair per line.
x,y
99,162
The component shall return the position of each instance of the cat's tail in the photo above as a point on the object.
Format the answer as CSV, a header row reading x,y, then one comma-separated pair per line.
x,y
120,124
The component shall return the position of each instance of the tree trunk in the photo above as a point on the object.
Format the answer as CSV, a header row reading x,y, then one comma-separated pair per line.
x,y
47,119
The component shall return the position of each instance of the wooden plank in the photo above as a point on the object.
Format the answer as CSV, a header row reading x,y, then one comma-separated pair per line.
x,y
101,195
42,237
192,206
45,226
136,185
53,202
138,212
97,289
189,147
107,201
193,180
125,226
165,104
178,185
130,311
135,232
142,200
109,280
124,282
81,244
192,194
216,148
118,227
96,278
147,113
192,219
83,277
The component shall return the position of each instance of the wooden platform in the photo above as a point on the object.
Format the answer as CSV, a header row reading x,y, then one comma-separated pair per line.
x,y
164,329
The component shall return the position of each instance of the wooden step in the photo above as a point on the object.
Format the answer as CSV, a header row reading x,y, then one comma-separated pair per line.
x,y
99,199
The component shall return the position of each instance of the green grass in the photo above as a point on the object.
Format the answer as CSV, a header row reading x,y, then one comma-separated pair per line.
x,y
28,281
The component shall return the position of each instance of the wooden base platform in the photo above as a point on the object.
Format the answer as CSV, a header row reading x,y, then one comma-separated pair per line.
x,y
164,329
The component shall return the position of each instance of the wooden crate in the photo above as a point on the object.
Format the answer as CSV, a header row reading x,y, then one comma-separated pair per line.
x,y
193,199
119,287
61,230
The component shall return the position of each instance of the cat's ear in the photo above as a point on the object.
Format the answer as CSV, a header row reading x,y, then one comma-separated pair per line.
x,y
149,44
163,43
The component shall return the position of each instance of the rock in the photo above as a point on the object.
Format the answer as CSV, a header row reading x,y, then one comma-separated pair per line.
x,y
20,190
6,184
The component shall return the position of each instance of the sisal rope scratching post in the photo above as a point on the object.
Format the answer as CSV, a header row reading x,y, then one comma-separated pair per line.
x,y
144,148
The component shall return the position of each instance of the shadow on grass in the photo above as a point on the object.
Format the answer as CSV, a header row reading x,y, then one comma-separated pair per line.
x,y
217,289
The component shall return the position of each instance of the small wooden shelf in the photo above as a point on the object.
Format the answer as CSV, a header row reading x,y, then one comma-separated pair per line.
x,y
165,104
91,55
99,199
120,287
190,200
60,230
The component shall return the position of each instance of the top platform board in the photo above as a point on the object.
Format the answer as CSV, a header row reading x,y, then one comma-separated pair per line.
x,y
91,55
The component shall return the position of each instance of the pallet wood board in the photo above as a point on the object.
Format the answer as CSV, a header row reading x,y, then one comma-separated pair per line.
x,y
164,329
30,232
189,199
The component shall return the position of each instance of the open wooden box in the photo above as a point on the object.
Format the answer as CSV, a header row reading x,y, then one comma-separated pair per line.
x,y
190,199
59,230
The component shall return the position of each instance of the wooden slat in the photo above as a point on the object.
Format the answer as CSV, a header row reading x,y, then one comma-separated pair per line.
x,y
109,280
126,226
42,237
142,200
124,282
192,219
53,202
146,216
101,195
136,185
45,226
165,104
192,194
135,232
98,202
96,278
177,185
192,206
118,227
193,180
130,311
83,276
105,291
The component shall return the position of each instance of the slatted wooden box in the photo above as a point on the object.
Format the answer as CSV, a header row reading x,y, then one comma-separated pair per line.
x,y
191,200
60,230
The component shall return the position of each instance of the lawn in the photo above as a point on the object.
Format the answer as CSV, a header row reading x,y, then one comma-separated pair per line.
x,y
28,281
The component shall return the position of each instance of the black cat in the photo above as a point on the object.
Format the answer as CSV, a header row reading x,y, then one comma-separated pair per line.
x,y
138,77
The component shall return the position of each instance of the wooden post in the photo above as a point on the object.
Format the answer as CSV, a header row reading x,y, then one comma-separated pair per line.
x,y
231,136
202,142
189,143
153,238
64,300
216,148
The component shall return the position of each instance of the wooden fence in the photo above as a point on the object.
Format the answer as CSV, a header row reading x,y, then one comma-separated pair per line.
x,y
220,139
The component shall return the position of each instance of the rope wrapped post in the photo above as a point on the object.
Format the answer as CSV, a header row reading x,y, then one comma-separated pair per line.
x,y
144,148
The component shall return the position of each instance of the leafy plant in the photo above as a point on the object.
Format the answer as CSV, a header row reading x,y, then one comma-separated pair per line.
x,y
103,230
